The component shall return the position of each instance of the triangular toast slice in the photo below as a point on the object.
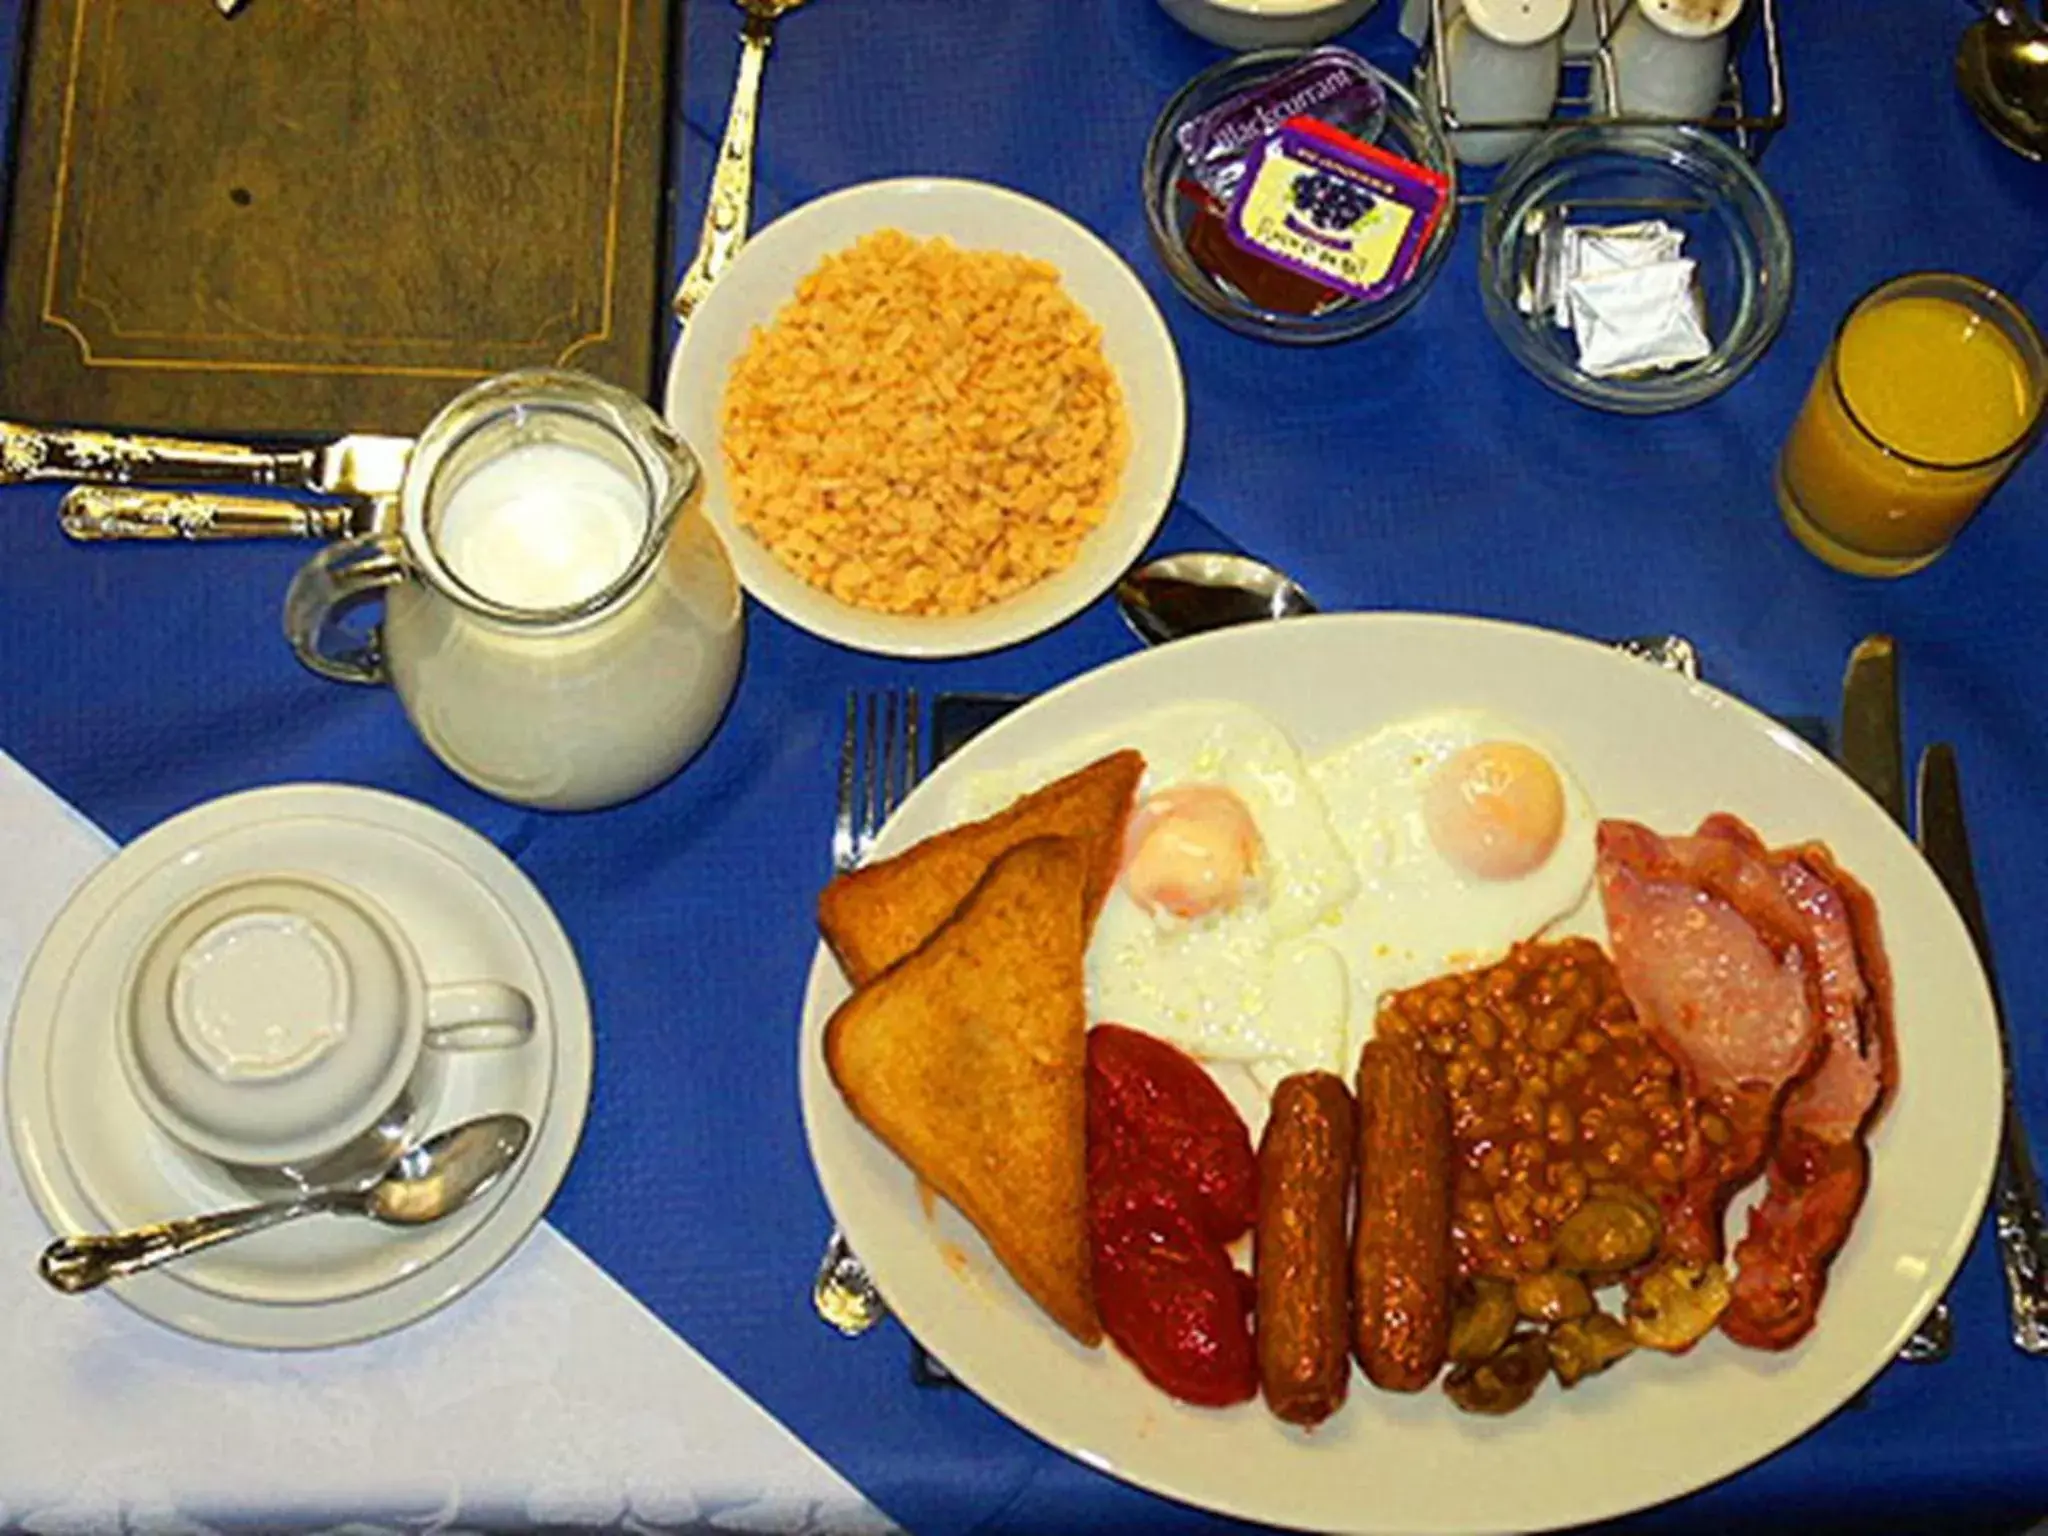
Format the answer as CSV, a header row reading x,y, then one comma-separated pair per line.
x,y
968,1059
874,916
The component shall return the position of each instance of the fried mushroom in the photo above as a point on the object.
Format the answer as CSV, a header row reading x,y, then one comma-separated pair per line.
x,y
1585,1346
1503,1383
1554,1296
1607,1235
1481,1319
1676,1304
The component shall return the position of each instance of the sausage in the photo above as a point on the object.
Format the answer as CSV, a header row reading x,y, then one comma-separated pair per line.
x,y
1300,1256
1401,1259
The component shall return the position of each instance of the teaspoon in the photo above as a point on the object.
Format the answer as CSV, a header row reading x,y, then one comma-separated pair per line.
x,y
2002,71
732,183
434,1179
1186,594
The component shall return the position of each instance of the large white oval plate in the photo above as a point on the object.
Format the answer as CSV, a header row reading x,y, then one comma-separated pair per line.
x,y
975,216
1645,744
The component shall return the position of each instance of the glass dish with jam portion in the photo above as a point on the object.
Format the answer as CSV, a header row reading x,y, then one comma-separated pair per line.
x,y
1242,291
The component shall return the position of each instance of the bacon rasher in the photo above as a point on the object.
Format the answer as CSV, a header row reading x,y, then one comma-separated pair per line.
x,y
1721,968
1820,1165
1763,974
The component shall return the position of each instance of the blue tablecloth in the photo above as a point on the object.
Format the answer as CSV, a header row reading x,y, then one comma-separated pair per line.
x,y
1419,469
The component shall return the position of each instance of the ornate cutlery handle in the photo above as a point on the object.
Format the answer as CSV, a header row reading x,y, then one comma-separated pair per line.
x,y
732,183
95,514
2016,1196
2022,1232
119,458
74,1264
1931,1342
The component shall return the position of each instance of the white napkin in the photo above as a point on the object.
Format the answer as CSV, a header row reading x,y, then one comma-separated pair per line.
x,y
548,1396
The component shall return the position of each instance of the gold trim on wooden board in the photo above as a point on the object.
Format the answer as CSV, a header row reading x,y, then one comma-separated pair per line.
x,y
51,314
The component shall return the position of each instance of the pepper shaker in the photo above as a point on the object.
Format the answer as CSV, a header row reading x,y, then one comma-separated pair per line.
x,y
1502,59
1671,57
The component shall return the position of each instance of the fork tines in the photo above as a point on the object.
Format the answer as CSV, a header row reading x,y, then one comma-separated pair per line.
x,y
879,764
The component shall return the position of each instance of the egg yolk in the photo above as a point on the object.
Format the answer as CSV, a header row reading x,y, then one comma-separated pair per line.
x,y
1191,850
1495,810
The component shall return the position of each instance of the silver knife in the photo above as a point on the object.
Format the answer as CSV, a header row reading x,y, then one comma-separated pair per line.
x,y
361,465
1870,745
2016,1195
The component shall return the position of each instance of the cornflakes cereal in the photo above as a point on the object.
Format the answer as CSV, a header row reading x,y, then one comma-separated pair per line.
x,y
922,429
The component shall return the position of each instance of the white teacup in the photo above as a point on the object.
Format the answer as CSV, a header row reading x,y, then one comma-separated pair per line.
x,y
276,1019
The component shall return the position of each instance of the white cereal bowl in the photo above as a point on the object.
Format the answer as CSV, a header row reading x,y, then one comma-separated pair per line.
x,y
1247,24
973,215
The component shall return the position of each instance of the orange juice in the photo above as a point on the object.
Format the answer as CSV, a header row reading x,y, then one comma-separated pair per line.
x,y
1927,399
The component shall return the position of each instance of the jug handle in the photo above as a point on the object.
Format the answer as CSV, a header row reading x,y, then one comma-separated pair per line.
x,y
334,583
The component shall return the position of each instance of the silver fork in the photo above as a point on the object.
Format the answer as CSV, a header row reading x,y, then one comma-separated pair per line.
x,y
879,763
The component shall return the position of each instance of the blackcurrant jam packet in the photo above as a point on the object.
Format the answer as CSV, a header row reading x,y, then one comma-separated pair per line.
x,y
1329,85
1333,209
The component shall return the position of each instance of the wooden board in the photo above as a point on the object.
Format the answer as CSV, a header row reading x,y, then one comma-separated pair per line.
x,y
330,215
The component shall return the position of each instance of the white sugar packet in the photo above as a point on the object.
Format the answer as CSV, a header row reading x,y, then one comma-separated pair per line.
x,y
1567,252
1638,319
1596,251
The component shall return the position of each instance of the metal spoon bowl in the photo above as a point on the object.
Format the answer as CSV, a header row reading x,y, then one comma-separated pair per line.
x,y
1186,594
2002,71
434,1179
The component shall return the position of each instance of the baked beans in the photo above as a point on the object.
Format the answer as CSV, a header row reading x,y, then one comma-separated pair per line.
x,y
1555,1089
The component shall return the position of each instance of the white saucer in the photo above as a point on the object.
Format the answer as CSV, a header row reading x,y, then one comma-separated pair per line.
x,y
92,1160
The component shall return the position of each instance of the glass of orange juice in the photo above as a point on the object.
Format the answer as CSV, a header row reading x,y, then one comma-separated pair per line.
x,y
1930,393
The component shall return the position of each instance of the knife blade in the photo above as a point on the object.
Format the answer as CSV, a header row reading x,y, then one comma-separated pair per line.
x,y
2016,1197
1870,746
1869,742
361,465
1945,840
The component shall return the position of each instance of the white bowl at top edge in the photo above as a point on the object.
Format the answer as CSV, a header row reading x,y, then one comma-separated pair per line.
x,y
973,215
1247,24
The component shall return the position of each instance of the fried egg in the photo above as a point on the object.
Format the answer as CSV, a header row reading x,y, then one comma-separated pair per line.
x,y
1216,934
1467,833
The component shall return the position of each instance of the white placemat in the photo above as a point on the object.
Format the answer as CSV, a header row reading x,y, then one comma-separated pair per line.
x,y
548,1396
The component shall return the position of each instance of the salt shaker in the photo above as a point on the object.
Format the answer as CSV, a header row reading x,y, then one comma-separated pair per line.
x,y
1671,57
1502,59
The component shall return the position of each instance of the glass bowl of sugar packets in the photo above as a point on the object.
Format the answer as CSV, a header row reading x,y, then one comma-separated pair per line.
x,y
1634,268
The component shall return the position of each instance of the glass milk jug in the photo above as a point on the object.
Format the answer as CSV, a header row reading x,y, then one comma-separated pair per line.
x,y
560,621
